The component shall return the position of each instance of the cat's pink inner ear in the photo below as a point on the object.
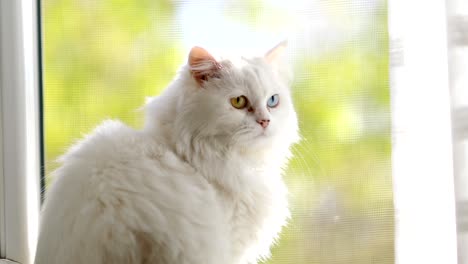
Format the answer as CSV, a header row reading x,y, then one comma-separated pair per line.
x,y
276,52
202,65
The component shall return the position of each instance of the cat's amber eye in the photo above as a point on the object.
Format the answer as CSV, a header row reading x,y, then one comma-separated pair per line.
x,y
239,102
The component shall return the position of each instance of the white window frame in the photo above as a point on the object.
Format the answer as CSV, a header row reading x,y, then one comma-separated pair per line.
x,y
422,163
19,136
422,175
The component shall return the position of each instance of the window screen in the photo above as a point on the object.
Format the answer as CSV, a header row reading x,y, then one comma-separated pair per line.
x,y
103,58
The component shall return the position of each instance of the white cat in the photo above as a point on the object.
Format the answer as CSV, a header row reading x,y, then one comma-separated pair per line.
x,y
200,184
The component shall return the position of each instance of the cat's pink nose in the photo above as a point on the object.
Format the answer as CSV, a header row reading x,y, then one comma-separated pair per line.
x,y
264,122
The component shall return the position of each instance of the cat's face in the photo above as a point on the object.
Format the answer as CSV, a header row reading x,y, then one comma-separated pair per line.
x,y
245,105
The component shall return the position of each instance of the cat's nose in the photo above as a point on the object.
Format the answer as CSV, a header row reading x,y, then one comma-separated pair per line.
x,y
263,122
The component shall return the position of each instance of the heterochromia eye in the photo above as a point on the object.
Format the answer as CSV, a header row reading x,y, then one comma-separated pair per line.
x,y
239,102
273,101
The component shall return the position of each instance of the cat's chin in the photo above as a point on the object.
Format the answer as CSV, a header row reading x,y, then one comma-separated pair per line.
x,y
260,139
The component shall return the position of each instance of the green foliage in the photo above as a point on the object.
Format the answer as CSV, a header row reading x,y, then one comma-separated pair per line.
x,y
340,178
102,58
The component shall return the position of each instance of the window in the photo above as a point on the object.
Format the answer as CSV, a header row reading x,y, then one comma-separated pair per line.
x,y
379,92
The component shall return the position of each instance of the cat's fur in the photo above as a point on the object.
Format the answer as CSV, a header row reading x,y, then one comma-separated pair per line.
x,y
200,184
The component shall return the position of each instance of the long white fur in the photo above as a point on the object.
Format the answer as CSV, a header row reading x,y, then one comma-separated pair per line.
x,y
200,184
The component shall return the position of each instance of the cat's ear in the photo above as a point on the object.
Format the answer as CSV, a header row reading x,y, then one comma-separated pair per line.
x,y
202,65
278,59
276,53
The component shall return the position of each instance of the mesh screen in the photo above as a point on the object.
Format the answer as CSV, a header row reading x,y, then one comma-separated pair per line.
x,y
102,58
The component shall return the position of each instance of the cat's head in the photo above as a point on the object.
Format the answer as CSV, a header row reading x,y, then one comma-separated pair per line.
x,y
235,105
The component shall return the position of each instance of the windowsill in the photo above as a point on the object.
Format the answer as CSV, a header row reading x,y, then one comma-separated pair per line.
x,y
6,261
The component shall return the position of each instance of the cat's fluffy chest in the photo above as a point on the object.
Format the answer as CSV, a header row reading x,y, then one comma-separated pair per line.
x,y
252,198
256,211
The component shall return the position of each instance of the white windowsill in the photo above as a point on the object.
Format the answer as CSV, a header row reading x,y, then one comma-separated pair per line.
x,y
6,261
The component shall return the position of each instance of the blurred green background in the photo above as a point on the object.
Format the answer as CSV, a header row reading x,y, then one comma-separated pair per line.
x,y
103,58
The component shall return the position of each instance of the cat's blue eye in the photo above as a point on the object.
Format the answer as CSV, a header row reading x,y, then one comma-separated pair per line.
x,y
273,100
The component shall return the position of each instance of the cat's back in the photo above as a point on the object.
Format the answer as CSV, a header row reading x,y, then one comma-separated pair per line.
x,y
122,196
